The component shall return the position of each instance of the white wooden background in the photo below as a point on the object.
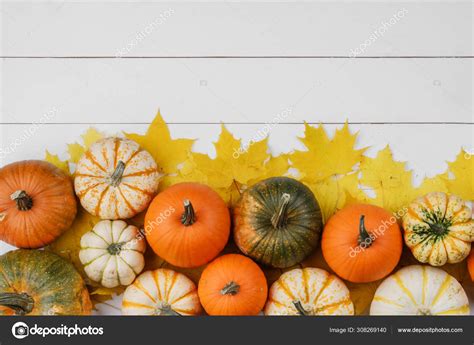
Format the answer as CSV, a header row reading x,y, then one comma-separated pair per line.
x,y
112,64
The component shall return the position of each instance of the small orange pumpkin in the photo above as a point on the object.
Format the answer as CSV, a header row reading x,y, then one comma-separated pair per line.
x,y
37,203
470,264
362,243
188,224
233,285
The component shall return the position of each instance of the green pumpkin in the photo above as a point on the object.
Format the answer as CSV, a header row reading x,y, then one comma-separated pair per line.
x,y
277,222
38,282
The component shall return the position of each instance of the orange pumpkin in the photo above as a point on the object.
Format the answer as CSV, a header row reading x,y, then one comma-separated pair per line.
x,y
232,285
37,203
470,264
362,243
188,224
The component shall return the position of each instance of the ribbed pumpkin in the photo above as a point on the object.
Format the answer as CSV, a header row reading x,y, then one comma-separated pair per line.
x,y
439,229
37,282
277,222
37,203
232,285
187,224
309,291
112,253
161,292
116,179
362,243
420,290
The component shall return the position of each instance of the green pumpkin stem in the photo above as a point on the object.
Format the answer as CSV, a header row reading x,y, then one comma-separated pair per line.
x,y
21,303
365,240
188,218
24,202
280,218
231,288
116,177
300,309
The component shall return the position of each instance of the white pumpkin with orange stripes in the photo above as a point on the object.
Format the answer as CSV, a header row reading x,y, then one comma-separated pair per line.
x,y
161,292
116,179
309,291
439,229
112,253
420,290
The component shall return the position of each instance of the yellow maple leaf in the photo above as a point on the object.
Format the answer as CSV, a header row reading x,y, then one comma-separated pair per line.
x,y
54,159
325,157
235,166
76,150
389,179
462,181
167,152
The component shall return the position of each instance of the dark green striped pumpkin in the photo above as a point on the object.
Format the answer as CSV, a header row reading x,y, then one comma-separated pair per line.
x,y
277,222
37,282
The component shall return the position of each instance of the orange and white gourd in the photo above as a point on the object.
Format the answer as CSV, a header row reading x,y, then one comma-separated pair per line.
x,y
420,290
116,179
439,229
112,253
161,292
309,291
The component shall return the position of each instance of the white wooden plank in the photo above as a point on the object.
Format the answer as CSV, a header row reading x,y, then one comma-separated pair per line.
x,y
410,142
321,28
236,90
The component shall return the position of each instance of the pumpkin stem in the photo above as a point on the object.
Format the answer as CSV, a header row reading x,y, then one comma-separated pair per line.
x,y
115,248
231,288
116,177
188,217
300,309
166,310
280,218
24,202
22,303
365,240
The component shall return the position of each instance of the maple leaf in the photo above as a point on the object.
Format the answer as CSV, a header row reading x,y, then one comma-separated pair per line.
x,y
329,167
234,168
54,159
167,152
76,150
325,157
389,179
462,181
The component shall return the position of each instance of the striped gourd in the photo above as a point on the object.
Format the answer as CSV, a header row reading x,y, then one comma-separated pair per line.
x,y
161,292
116,179
420,290
309,291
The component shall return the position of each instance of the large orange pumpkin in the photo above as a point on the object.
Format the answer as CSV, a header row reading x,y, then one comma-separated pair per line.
x,y
232,285
470,264
188,224
362,243
37,203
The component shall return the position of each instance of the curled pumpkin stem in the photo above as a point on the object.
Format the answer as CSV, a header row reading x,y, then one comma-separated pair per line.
x,y
300,309
280,218
116,177
21,303
231,288
365,239
24,202
188,217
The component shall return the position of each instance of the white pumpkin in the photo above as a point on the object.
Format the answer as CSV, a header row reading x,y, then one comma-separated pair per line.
x,y
309,291
420,290
116,179
161,292
112,253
